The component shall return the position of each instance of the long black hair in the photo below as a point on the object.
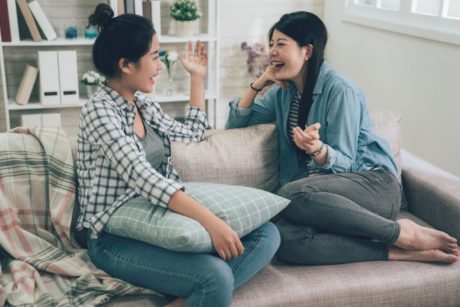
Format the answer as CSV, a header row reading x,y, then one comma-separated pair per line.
x,y
305,28
126,36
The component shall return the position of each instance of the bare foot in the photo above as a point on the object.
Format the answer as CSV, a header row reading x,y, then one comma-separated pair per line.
x,y
416,237
179,302
434,255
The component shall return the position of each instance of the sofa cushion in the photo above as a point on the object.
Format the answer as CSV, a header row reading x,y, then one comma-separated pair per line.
x,y
246,156
243,208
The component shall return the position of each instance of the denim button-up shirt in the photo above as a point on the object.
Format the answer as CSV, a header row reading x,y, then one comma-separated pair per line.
x,y
340,107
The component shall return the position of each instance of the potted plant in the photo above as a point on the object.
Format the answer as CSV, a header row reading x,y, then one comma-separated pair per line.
x,y
185,14
92,79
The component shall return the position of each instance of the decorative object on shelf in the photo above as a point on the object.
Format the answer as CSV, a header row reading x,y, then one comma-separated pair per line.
x,y
169,58
90,32
92,79
71,33
257,60
185,14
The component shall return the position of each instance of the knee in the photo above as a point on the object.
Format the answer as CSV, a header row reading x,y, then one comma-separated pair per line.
x,y
271,237
218,281
296,190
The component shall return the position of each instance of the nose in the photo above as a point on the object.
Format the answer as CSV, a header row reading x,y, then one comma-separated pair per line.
x,y
273,51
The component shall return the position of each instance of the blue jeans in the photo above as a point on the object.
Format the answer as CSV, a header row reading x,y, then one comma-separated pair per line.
x,y
204,279
340,218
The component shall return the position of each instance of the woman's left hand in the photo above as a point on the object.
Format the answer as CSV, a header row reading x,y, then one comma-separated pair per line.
x,y
195,61
308,139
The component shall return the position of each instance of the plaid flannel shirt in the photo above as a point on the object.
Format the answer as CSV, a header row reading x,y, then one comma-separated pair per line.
x,y
111,163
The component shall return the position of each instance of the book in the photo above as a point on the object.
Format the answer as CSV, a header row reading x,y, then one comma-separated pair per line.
x,y
4,22
27,84
147,9
121,7
129,6
114,5
42,20
29,19
13,16
138,7
156,15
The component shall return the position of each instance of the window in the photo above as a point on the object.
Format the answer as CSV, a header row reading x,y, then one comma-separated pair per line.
x,y
433,19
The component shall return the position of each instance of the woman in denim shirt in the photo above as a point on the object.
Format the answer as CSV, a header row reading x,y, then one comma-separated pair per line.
x,y
340,176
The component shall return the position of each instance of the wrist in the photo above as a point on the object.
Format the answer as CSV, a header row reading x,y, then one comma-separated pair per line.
x,y
258,85
318,151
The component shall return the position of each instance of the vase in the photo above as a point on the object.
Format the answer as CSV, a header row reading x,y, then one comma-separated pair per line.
x,y
186,28
91,90
170,88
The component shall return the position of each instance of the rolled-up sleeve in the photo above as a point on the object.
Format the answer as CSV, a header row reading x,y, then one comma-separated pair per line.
x,y
123,154
341,136
262,111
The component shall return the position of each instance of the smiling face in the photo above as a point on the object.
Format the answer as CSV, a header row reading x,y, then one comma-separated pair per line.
x,y
288,59
142,74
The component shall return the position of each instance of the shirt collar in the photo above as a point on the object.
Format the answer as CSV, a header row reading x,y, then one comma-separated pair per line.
x,y
318,89
121,102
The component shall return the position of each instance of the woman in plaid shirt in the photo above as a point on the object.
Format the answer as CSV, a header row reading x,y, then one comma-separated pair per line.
x,y
124,152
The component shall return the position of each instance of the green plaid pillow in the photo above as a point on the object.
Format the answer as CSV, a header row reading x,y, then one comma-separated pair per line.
x,y
243,208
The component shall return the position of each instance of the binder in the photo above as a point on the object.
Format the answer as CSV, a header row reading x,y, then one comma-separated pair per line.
x,y
4,22
121,7
51,120
49,77
13,16
26,85
114,5
31,120
29,19
68,76
156,15
129,6
42,20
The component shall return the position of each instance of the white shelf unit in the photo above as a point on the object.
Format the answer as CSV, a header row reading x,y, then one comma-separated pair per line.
x,y
208,35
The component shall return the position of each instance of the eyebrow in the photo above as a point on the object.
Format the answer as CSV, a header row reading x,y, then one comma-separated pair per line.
x,y
156,51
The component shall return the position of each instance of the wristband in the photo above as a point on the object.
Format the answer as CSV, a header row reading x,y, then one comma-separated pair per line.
x,y
253,88
318,151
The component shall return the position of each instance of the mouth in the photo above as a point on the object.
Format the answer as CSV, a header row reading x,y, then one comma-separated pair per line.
x,y
278,65
153,78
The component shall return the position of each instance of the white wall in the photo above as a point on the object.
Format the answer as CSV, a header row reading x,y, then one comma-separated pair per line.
x,y
247,20
420,78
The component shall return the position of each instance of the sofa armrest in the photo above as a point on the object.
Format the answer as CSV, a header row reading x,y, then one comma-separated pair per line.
x,y
432,193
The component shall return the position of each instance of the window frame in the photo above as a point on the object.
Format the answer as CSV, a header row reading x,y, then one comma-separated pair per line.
x,y
437,28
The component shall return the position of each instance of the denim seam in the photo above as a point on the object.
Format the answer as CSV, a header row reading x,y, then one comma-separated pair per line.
x,y
246,254
347,209
175,275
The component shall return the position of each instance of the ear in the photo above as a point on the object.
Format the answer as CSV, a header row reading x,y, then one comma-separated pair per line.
x,y
309,52
125,65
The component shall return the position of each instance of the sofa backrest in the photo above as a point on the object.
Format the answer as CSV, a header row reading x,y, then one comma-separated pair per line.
x,y
249,156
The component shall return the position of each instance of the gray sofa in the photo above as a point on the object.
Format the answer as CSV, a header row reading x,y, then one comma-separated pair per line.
x,y
249,157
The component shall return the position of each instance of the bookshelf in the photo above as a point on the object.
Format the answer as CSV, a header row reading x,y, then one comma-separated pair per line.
x,y
16,54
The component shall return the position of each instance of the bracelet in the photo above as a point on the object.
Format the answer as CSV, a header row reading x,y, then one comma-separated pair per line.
x,y
318,151
253,88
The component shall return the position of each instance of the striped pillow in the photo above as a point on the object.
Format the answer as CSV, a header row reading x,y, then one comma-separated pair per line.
x,y
243,208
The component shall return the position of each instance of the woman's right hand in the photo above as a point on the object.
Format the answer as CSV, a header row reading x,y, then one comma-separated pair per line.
x,y
224,239
267,78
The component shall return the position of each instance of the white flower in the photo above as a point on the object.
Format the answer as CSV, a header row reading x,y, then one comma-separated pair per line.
x,y
172,56
92,78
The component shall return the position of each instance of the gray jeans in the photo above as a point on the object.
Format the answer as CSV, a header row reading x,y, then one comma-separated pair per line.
x,y
340,218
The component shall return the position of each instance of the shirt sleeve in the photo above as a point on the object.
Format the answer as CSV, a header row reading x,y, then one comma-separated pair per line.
x,y
343,127
193,128
130,164
262,111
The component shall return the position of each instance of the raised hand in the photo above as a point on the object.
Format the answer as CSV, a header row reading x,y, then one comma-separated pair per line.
x,y
308,139
195,61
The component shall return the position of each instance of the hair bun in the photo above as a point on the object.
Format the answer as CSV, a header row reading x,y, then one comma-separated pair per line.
x,y
102,15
